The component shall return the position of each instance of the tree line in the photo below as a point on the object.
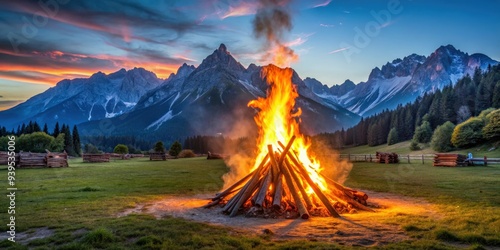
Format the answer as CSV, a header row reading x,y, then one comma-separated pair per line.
x,y
201,144
32,138
455,104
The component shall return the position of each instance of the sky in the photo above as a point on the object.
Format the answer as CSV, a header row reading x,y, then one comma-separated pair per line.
x,y
45,41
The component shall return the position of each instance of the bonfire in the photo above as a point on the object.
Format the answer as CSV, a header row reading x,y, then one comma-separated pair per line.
x,y
285,181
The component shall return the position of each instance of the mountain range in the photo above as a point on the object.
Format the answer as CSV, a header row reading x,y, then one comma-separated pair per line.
x,y
212,98
402,80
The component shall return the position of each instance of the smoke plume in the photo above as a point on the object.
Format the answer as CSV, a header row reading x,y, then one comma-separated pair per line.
x,y
271,22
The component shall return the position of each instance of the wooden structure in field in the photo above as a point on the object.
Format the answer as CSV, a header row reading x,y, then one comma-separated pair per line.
x,y
213,156
56,160
28,159
95,158
4,158
450,160
136,155
37,160
157,156
387,157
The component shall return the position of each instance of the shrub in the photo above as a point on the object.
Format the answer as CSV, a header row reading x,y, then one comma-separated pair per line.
x,y
468,133
121,149
441,139
186,153
90,149
423,133
159,148
491,130
175,149
57,145
35,142
392,138
414,145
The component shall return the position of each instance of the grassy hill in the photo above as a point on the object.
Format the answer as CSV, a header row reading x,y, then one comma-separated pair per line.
x,y
487,149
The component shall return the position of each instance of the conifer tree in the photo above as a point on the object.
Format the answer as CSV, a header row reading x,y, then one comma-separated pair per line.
x,y
68,141
76,141
56,130
45,129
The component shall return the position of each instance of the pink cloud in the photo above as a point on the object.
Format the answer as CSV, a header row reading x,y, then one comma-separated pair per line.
x,y
323,4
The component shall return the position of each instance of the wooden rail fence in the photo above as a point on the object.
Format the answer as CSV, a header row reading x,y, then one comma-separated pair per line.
x,y
408,158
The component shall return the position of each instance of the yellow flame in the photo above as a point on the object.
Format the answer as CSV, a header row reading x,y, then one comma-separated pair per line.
x,y
277,121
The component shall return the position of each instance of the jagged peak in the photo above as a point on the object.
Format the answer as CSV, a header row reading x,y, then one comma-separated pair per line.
x,y
222,47
348,82
185,68
448,49
220,56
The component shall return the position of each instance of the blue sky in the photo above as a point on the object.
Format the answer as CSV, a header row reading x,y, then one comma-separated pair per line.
x,y
335,40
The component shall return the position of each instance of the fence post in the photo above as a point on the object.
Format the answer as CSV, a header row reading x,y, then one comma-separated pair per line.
x,y
486,161
370,157
422,159
349,156
408,158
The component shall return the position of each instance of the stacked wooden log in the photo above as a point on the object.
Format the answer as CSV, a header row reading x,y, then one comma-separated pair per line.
x,y
27,159
4,158
56,160
281,187
95,158
136,155
157,156
387,157
449,160
213,156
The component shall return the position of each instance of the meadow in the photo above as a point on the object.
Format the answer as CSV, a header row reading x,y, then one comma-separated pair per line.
x,y
79,206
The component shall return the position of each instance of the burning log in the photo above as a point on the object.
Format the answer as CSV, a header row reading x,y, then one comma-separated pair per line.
x,y
296,197
262,192
285,181
278,192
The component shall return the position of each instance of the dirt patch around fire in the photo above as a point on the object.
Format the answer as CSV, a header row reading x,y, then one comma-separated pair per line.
x,y
360,229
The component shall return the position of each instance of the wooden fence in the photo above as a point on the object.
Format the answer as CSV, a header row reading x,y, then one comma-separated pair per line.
x,y
407,158
402,158
484,161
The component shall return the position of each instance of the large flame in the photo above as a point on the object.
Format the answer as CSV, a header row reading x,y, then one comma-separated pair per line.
x,y
278,121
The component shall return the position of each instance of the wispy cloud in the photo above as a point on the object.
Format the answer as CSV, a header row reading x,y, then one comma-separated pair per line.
x,y
387,24
323,4
301,39
8,104
326,25
347,12
241,9
338,50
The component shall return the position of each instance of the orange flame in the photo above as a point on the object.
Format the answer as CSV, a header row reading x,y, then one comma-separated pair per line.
x,y
278,122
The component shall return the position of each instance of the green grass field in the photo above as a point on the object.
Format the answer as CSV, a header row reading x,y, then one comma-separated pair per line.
x,y
80,204
404,148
